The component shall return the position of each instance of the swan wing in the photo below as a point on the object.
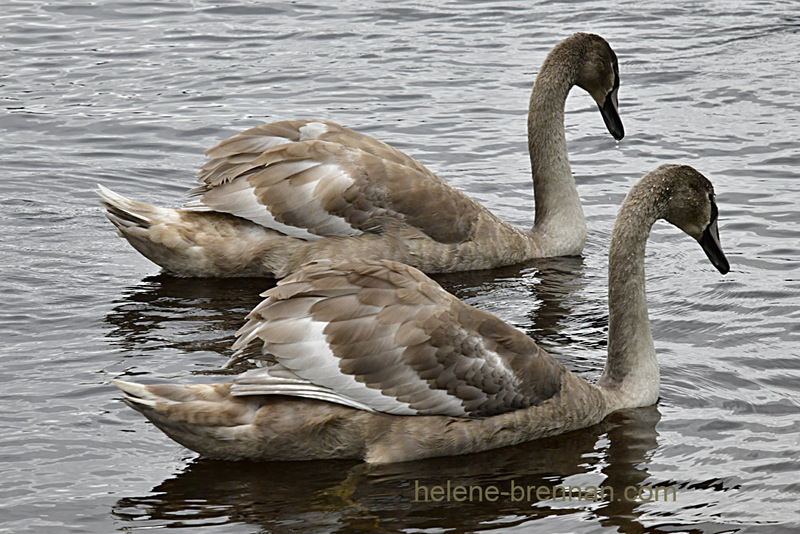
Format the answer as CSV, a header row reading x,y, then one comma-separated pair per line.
x,y
313,179
383,336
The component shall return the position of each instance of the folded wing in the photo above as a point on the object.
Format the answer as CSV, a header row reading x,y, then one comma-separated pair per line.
x,y
313,179
384,337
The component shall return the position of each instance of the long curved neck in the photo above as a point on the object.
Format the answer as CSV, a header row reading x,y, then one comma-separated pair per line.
x,y
631,376
558,207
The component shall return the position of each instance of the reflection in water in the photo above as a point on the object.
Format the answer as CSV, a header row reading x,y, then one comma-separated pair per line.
x,y
129,94
185,314
343,496
543,298
548,300
544,286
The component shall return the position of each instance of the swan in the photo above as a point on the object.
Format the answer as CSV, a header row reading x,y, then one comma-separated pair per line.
x,y
373,360
279,195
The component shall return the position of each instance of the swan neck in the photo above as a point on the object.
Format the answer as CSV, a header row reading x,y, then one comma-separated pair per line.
x,y
557,204
631,373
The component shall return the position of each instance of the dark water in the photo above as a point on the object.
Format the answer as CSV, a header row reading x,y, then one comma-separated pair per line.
x,y
129,94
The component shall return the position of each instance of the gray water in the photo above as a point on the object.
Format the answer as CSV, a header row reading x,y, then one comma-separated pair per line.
x,y
129,94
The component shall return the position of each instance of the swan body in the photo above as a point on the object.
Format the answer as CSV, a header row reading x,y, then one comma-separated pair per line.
x,y
279,195
373,360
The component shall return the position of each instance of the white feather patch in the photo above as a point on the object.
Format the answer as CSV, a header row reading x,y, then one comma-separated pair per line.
x,y
312,130
313,360
277,380
238,198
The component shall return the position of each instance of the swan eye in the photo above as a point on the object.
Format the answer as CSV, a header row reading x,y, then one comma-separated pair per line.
x,y
714,211
615,72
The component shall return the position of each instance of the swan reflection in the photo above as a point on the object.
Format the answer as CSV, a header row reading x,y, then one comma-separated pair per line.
x,y
331,496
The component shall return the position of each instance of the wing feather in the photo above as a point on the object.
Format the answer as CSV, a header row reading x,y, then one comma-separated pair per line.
x,y
384,335
277,380
316,178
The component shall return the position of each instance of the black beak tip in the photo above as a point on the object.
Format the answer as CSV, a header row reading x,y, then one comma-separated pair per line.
x,y
611,118
713,250
723,266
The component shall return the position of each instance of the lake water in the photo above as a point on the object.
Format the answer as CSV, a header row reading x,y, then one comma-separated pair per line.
x,y
129,94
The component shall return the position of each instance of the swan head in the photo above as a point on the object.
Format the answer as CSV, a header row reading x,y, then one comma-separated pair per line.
x,y
598,75
690,204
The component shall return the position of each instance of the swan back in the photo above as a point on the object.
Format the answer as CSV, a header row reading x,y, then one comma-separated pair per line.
x,y
312,179
382,336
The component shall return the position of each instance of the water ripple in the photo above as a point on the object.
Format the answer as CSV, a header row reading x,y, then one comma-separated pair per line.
x,y
129,94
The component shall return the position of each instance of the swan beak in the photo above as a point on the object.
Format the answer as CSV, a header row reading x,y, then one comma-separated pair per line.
x,y
610,112
713,249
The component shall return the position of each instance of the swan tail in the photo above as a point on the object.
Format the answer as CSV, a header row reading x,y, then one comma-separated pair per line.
x,y
198,243
207,419
201,417
126,214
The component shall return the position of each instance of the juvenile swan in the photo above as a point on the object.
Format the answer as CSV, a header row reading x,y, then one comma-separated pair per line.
x,y
277,196
375,361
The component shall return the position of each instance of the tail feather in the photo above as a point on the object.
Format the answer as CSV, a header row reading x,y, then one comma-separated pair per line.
x,y
209,420
172,394
197,243
136,395
125,213
204,418
197,408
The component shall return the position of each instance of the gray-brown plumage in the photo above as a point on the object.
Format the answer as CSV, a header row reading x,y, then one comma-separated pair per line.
x,y
373,360
386,332
277,196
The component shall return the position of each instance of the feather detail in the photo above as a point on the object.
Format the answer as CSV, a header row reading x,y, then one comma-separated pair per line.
x,y
384,335
316,178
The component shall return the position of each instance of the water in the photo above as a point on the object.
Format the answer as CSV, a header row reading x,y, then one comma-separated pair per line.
x,y
129,94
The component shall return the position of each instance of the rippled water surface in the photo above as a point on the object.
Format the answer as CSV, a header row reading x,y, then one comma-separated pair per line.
x,y
129,94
